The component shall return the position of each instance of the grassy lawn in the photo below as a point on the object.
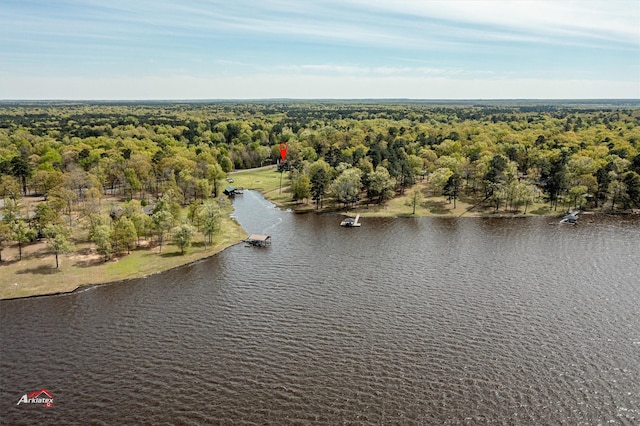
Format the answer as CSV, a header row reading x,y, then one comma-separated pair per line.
x,y
36,273
266,179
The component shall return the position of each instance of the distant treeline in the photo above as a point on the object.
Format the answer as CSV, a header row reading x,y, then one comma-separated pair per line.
x,y
585,151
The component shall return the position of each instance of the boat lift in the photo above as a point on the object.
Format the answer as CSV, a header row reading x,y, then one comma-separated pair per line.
x,y
351,222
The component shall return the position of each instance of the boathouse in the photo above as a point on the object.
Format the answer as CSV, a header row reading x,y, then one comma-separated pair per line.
x,y
230,190
258,240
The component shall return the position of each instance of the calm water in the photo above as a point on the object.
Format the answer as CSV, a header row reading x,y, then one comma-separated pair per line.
x,y
401,321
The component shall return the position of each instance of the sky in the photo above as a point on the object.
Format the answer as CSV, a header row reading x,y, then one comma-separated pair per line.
x,y
319,49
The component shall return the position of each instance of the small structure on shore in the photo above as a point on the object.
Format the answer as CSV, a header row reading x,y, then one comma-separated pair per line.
x,y
232,190
258,240
351,222
570,219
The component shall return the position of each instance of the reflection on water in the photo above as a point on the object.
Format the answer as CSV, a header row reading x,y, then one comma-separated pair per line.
x,y
451,320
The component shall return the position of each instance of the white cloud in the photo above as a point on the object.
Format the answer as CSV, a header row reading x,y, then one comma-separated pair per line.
x,y
550,21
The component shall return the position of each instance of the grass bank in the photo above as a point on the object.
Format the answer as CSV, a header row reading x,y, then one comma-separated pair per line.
x,y
36,273
267,181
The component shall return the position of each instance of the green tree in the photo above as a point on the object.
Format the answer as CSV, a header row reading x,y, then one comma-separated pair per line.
x,y
101,236
45,180
5,236
452,187
346,187
439,179
20,231
21,234
555,180
215,175
58,240
124,234
226,164
603,178
20,168
132,183
631,180
498,194
577,195
132,209
525,192
162,223
380,184
320,176
11,211
162,218
44,216
416,198
183,236
9,187
300,185
617,189
142,223
204,188
210,218
63,199
495,174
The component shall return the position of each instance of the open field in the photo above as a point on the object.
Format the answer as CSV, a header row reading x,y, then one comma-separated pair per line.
x,y
263,179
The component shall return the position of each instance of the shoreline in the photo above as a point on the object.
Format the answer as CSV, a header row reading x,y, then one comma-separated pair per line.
x,y
237,235
85,287
379,211
266,181
167,261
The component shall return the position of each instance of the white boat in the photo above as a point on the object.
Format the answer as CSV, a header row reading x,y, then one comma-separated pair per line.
x,y
351,222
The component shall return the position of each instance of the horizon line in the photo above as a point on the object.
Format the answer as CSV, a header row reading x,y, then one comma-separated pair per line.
x,y
271,99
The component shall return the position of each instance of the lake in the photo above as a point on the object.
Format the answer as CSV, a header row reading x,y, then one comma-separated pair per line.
x,y
400,321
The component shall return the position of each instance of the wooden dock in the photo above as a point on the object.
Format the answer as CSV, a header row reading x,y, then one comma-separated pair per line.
x,y
258,240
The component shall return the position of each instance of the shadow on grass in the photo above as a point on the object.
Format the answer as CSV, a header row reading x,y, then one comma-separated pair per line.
x,y
40,254
436,207
542,211
40,270
172,254
89,263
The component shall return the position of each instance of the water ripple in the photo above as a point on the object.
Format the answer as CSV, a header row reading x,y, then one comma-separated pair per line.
x,y
402,321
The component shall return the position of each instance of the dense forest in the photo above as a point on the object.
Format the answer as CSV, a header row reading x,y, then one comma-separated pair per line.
x,y
177,155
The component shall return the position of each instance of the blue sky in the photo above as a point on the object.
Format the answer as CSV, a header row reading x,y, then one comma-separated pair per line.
x,y
246,49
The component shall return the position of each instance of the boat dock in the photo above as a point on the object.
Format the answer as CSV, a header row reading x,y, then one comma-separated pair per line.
x,y
258,240
351,222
